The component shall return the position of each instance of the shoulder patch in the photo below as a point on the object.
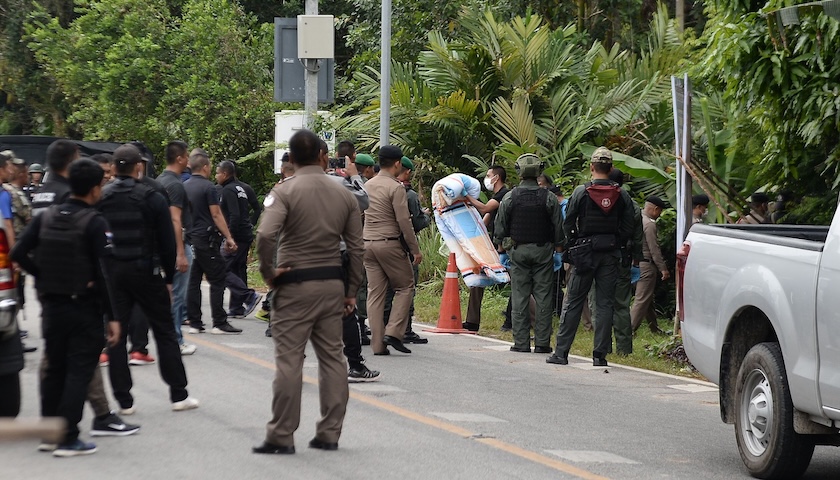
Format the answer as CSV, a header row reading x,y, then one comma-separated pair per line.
x,y
269,200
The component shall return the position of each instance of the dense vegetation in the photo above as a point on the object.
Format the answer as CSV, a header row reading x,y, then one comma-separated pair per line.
x,y
474,81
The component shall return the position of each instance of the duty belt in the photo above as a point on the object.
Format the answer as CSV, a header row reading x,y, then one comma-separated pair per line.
x,y
309,274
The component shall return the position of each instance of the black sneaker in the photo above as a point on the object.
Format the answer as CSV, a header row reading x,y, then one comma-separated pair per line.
x,y
365,340
73,449
470,326
268,332
252,304
112,426
362,375
599,362
506,327
225,329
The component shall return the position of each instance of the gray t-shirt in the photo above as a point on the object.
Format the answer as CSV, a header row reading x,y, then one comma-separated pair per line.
x,y
177,196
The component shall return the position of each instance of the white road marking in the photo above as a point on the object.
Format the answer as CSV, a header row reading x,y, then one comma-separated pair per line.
x,y
591,456
467,417
693,388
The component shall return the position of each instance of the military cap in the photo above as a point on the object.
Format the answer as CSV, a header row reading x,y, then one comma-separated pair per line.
x,y
36,168
655,201
407,163
127,154
364,160
390,152
7,155
760,197
602,155
18,161
701,199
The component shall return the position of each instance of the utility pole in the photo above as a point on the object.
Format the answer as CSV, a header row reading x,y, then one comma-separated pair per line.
x,y
310,67
385,73
680,14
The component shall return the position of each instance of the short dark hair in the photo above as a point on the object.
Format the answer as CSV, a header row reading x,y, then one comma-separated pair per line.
x,y
83,175
198,159
322,145
102,158
601,167
500,171
228,168
303,148
60,153
175,149
345,148
545,178
617,176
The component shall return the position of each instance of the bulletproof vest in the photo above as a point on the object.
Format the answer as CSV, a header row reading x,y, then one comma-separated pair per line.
x,y
21,208
600,210
529,219
124,205
63,253
48,194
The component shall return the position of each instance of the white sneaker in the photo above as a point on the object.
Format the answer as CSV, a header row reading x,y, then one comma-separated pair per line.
x,y
186,404
196,330
187,349
47,447
128,411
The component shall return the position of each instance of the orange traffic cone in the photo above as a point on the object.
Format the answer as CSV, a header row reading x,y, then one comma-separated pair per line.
x,y
449,320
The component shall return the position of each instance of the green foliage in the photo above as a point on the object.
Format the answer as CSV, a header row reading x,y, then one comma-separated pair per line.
x,y
784,107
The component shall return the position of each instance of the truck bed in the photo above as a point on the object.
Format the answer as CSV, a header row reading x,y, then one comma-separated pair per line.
x,y
806,237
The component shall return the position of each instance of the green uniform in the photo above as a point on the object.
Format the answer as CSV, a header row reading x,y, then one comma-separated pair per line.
x,y
532,269
605,273
623,291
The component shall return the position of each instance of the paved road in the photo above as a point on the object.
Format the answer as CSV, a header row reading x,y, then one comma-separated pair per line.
x,y
459,407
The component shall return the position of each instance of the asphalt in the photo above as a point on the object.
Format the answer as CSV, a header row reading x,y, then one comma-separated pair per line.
x,y
461,406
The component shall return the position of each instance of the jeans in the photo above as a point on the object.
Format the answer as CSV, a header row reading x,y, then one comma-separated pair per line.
x,y
179,294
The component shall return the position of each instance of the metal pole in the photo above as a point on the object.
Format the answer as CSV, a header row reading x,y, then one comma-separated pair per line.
x,y
385,92
310,99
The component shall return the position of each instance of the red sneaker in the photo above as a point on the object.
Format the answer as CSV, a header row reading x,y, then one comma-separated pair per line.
x,y
103,359
138,358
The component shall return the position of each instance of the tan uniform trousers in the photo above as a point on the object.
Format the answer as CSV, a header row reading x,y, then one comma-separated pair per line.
x,y
301,312
386,263
643,304
96,396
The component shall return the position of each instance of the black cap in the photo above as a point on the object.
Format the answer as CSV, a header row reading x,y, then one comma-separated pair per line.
x,y
701,199
555,189
127,154
760,197
656,201
390,152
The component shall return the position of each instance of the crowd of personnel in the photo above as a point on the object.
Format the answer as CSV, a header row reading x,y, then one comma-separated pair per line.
x,y
115,253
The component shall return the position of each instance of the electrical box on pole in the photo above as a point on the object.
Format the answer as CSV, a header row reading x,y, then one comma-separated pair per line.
x,y
316,36
289,70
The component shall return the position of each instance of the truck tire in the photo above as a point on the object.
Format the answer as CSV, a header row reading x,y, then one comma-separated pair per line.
x,y
769,446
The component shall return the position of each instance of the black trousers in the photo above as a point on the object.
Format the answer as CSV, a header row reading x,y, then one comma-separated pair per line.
x,y
352,340
133,287
207,261
73,338
138,330
236,278
10,398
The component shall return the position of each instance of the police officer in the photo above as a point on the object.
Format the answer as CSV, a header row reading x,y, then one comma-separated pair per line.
x,y
56,190
387,226
234,203
631,255
311,214
699,207
653,267
143,244
36,171
365,164
759,210
598,222
529,229
69,243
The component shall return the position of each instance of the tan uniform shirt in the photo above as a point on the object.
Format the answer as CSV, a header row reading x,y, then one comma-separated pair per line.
x,y
311,213
755,218
387,216
650,246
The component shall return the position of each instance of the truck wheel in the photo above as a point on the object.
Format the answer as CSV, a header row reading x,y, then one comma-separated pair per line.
x,y
769,446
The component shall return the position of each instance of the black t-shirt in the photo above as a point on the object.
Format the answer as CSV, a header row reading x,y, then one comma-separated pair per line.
x,y
177,196
498,196
54,192
201,194
235,207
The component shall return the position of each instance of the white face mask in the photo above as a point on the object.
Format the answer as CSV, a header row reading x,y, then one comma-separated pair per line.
x,y
488,184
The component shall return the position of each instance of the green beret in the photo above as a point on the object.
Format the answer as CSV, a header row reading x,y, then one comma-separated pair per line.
x,y
364,160
406,162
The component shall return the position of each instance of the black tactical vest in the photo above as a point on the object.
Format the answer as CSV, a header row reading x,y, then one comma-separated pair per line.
x,y
529,219
124,205
63,254
54,192
593,220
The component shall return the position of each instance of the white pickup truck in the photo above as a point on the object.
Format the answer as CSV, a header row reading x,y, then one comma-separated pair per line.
x,y
760,316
